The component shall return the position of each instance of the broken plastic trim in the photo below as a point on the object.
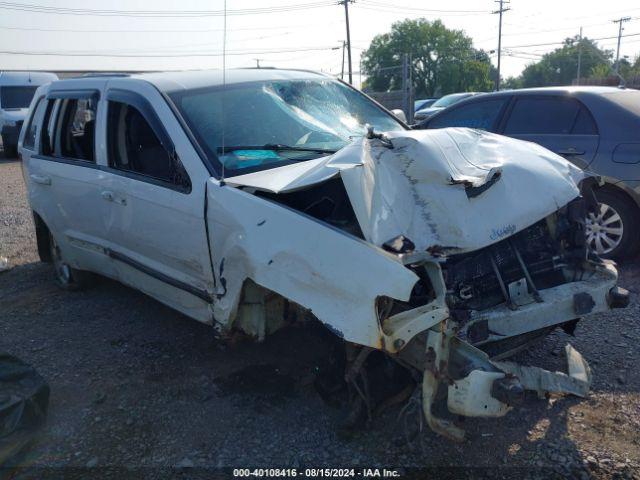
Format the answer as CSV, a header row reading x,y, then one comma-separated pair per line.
x,y
487,389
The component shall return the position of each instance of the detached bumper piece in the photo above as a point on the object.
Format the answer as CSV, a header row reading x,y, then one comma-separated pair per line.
x,y
479,387
618,297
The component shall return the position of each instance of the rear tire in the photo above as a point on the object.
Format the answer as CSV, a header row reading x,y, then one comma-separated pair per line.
x,y
10,151
67,277
614,230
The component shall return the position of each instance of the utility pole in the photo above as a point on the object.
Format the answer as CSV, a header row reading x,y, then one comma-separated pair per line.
x,y
406,88
579,57
344,44
346,16
500,12
620,21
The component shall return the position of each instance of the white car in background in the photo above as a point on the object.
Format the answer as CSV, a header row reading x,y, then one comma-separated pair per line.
x,y
265,200
16,92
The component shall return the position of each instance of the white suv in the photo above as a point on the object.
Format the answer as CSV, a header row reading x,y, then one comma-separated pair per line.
x,y
275,197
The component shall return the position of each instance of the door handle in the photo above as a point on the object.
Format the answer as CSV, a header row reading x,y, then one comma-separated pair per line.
x,y
41,179
109,196
570,151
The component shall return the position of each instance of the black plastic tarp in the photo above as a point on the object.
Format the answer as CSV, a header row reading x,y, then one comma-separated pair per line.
x,y
24,397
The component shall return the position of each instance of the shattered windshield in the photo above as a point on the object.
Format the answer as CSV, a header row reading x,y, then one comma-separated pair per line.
x,y
272,123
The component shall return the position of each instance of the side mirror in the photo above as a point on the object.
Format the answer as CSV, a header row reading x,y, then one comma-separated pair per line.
x,y
399,114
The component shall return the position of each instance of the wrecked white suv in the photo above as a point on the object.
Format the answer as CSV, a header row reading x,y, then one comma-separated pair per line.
x,y
284,195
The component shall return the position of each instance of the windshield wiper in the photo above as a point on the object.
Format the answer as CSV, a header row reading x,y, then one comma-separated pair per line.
x,y
275,147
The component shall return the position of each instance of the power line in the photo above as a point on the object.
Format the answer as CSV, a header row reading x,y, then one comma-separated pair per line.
x,y
562,42
33,8
161,55
429,10
205,30
535,31
400,12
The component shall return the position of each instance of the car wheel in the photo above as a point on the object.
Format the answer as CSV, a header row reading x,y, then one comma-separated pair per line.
x,y
613,230
67,277
10,151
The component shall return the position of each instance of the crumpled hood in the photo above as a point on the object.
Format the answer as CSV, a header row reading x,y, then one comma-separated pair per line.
x,y
455,188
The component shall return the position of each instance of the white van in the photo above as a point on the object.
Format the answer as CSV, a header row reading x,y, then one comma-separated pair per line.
x,y
16,92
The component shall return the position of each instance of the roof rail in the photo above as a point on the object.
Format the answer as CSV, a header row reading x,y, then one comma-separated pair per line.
x,y
104,74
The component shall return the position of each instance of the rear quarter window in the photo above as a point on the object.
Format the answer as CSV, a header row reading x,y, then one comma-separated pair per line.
x,y
550,115
31,132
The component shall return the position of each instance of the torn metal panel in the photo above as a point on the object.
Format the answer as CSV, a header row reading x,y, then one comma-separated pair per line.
x,y
436,371
399,329
577,382
335,275
288,178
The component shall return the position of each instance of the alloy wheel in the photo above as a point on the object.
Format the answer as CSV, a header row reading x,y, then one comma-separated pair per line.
x,y
604,229
62,269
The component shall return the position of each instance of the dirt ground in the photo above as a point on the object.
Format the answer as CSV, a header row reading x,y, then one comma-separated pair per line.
x,y
139,390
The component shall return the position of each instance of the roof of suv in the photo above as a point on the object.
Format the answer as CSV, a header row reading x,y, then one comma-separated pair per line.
x,y
174,81
181,80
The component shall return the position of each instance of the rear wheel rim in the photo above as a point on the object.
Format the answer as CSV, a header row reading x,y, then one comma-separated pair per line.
x,y
604,229
62,269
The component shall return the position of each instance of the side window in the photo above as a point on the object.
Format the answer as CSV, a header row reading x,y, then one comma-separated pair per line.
x,y
134,147
481,114
550,115
68,128
31,133
584,123
48,126
76,129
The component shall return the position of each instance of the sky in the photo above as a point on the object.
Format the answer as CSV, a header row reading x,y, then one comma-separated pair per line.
x,y
189,34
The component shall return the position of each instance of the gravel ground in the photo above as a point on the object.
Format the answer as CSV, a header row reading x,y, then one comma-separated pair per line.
x,y
138,389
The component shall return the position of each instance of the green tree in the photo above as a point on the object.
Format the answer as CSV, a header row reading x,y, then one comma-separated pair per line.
x,y
560,66
442,60
628,69
511,83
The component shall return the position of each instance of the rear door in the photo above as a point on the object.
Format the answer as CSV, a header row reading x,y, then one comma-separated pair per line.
x,y
560,123
156,193
64,175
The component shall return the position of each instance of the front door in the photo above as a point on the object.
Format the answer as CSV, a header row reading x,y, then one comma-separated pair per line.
x,y
156,195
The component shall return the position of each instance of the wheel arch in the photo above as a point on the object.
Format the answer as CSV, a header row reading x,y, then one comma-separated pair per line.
x,y
42,238
615,185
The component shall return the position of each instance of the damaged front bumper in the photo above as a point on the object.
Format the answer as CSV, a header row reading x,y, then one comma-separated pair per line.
x,y
465,379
